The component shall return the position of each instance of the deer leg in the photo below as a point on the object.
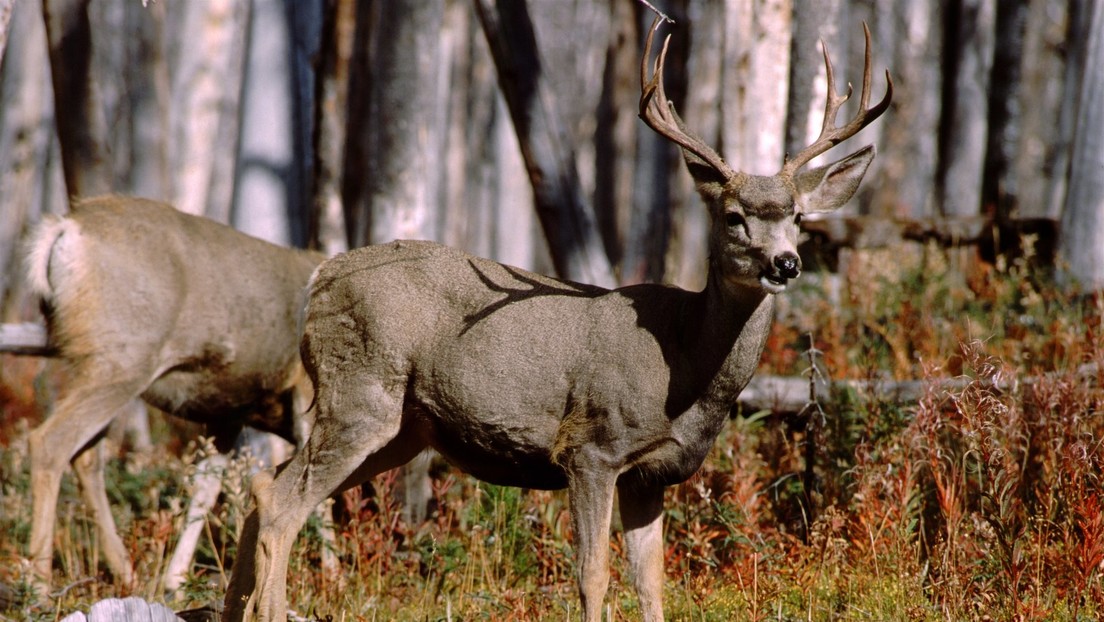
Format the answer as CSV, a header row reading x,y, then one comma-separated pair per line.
x,y
205,489
590,495
417,488
642,520
80,416
343,450
89,467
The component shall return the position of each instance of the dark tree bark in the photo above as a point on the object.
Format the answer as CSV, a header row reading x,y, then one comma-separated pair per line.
x,y
567,218
1000,188
327,224
969,58
81,127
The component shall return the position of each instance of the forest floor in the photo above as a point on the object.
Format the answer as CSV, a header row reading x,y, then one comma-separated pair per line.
x,y
980,502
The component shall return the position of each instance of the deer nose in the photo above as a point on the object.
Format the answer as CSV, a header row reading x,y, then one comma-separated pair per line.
x,y
788,264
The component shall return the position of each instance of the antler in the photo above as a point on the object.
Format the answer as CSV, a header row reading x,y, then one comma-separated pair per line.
x,y
830,135
659,113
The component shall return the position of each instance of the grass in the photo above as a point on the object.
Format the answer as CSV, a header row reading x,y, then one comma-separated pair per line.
x,y
981,503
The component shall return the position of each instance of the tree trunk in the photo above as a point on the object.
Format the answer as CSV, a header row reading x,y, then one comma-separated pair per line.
x,y
1001,187
6,7
814,25
1082,241
1044,142
327,230
567,218
965,124
903,185
755,84
81,127
275,154
30,180
206,61
402,141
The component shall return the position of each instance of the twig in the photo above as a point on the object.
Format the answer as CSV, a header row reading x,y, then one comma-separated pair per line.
x,y
58,594
661,14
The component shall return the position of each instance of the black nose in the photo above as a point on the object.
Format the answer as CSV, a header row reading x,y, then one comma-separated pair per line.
x,y
788,264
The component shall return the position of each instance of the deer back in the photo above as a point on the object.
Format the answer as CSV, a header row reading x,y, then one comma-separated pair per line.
x,y
131,286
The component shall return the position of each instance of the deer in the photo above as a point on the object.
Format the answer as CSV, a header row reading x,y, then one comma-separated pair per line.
x,y
525,380
144,302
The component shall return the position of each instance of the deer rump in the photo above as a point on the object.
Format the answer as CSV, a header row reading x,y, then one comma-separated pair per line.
x,y
503,371
120,294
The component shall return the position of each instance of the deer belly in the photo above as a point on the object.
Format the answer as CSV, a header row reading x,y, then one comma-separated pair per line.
x,y
500,454
201,396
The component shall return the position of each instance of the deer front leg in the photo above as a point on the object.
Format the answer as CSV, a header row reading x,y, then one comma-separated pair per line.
x,y
642,520
89,467
358,434
590,494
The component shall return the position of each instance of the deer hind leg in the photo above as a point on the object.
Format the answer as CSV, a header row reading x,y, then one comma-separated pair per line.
x,y
590,494
89,467
348,445
642,520
81,415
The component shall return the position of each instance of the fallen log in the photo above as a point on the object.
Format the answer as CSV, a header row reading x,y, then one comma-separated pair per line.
x,y
790,394
26,338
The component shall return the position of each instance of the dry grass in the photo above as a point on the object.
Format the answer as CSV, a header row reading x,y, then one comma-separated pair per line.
x,y
979,504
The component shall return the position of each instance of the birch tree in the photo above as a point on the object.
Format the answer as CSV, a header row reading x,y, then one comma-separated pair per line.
x,y
1082,241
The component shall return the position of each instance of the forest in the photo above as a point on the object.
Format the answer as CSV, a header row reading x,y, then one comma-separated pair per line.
x,y
923,439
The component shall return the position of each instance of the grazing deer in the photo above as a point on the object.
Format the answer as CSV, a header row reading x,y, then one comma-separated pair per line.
x,y
524,380
195,318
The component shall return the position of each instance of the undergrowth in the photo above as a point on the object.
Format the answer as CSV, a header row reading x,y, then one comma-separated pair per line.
x,y
981,501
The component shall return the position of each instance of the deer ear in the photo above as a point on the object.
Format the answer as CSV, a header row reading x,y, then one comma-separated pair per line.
x,y
710,181
826,188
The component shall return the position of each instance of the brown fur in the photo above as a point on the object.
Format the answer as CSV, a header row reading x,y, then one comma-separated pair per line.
x,y
143,301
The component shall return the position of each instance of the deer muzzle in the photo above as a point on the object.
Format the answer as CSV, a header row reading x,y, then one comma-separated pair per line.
x,y
784,267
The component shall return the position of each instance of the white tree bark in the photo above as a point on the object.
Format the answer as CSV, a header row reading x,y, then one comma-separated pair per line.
x,y
266,164
206,50
1082,240
755,86
30,180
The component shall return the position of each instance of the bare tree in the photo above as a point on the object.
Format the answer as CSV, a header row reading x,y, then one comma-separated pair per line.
x,y
81,127
1083,220
565,214
396,160
966,124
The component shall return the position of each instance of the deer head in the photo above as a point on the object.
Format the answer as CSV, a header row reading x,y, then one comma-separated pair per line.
x,y
755,218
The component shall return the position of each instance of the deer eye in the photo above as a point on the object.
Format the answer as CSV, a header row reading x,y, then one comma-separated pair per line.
x,y
797,219
735,219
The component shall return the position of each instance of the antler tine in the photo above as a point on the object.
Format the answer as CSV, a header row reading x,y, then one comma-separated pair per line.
x,y
658,112
830,135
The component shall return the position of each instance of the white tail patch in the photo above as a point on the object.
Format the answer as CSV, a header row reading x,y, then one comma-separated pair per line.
x,y
50,244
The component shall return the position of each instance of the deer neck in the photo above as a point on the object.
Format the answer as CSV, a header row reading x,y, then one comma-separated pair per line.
x,y
732,323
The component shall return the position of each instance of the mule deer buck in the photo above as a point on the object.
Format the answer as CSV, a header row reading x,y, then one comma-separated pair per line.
x,y
144,301
524,380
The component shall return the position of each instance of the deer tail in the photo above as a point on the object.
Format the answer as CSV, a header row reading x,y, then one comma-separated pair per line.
x,y
41,253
